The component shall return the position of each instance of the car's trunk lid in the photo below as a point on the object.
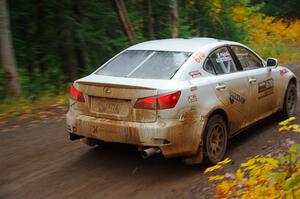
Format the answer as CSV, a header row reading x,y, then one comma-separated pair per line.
x,y
115,101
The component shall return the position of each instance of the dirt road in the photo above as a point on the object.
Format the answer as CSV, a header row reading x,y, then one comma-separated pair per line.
x,y
38,161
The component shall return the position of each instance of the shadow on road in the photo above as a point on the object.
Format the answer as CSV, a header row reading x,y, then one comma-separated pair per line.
x,y
126,158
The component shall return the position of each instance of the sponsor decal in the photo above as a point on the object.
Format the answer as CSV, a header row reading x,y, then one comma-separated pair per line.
x,y
192,98
195,74
233,96
198,57
223,57
283,71
265,88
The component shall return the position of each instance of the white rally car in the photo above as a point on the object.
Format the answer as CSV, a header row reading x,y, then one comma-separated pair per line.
x,y
179,97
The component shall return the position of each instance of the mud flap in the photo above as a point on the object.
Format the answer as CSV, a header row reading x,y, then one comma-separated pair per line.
x,y
195,159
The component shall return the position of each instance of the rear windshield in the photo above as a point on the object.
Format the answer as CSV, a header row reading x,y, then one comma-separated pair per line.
x,y
145,64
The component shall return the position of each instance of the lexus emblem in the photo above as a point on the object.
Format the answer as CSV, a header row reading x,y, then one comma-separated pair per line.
x,y
107,90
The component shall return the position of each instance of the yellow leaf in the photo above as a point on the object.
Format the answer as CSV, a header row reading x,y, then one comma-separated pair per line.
x,y
222,189
285,122
216,177
250,162
239,174
284,128
252,181
226,161
215,167
272,162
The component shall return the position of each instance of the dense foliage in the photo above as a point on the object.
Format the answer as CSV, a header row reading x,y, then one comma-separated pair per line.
x,y
281,8
275,175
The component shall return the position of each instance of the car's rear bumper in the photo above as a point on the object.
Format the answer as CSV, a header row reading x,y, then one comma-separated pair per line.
x,y
172,136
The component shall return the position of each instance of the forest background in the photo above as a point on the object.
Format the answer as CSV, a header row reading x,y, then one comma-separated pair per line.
x,y
47,44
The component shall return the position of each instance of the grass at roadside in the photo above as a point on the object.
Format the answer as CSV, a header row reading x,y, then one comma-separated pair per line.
x,y
28,107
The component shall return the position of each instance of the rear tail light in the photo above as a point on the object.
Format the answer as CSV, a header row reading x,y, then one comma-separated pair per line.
x,y
158,102
146,103
75,94
168,101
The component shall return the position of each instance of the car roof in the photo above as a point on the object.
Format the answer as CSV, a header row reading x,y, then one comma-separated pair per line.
x,y
178,44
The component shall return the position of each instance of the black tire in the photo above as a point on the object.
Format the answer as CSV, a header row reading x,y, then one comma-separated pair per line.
x,y
290,101
215,139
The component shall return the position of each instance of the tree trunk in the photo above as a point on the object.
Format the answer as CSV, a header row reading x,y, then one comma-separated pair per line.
x,y
150,19
174,16
125,20
7,52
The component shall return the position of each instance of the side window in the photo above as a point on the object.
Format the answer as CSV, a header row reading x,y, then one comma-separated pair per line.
x,y
247,59
209,67
222,61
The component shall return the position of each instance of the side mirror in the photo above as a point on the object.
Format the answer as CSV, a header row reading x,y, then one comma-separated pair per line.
x,y
272,62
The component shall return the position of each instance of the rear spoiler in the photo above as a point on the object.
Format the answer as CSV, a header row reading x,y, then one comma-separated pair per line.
x,y
113,85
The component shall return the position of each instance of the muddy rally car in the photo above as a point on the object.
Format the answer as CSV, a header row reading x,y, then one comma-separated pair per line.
x,y
179,97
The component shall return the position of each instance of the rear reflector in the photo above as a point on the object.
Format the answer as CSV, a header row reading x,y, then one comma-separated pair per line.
x,y
75,94
158,102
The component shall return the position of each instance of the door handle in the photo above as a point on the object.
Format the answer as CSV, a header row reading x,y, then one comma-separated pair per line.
x,y
220,87
252,80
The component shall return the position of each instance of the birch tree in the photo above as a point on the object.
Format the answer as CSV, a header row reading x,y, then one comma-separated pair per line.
x,y
149,19
7,52
174,16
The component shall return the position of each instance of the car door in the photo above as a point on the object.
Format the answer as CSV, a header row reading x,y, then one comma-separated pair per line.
x,y
231,86
262,81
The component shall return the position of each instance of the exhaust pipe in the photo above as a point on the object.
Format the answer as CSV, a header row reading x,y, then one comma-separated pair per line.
x,y
149,152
